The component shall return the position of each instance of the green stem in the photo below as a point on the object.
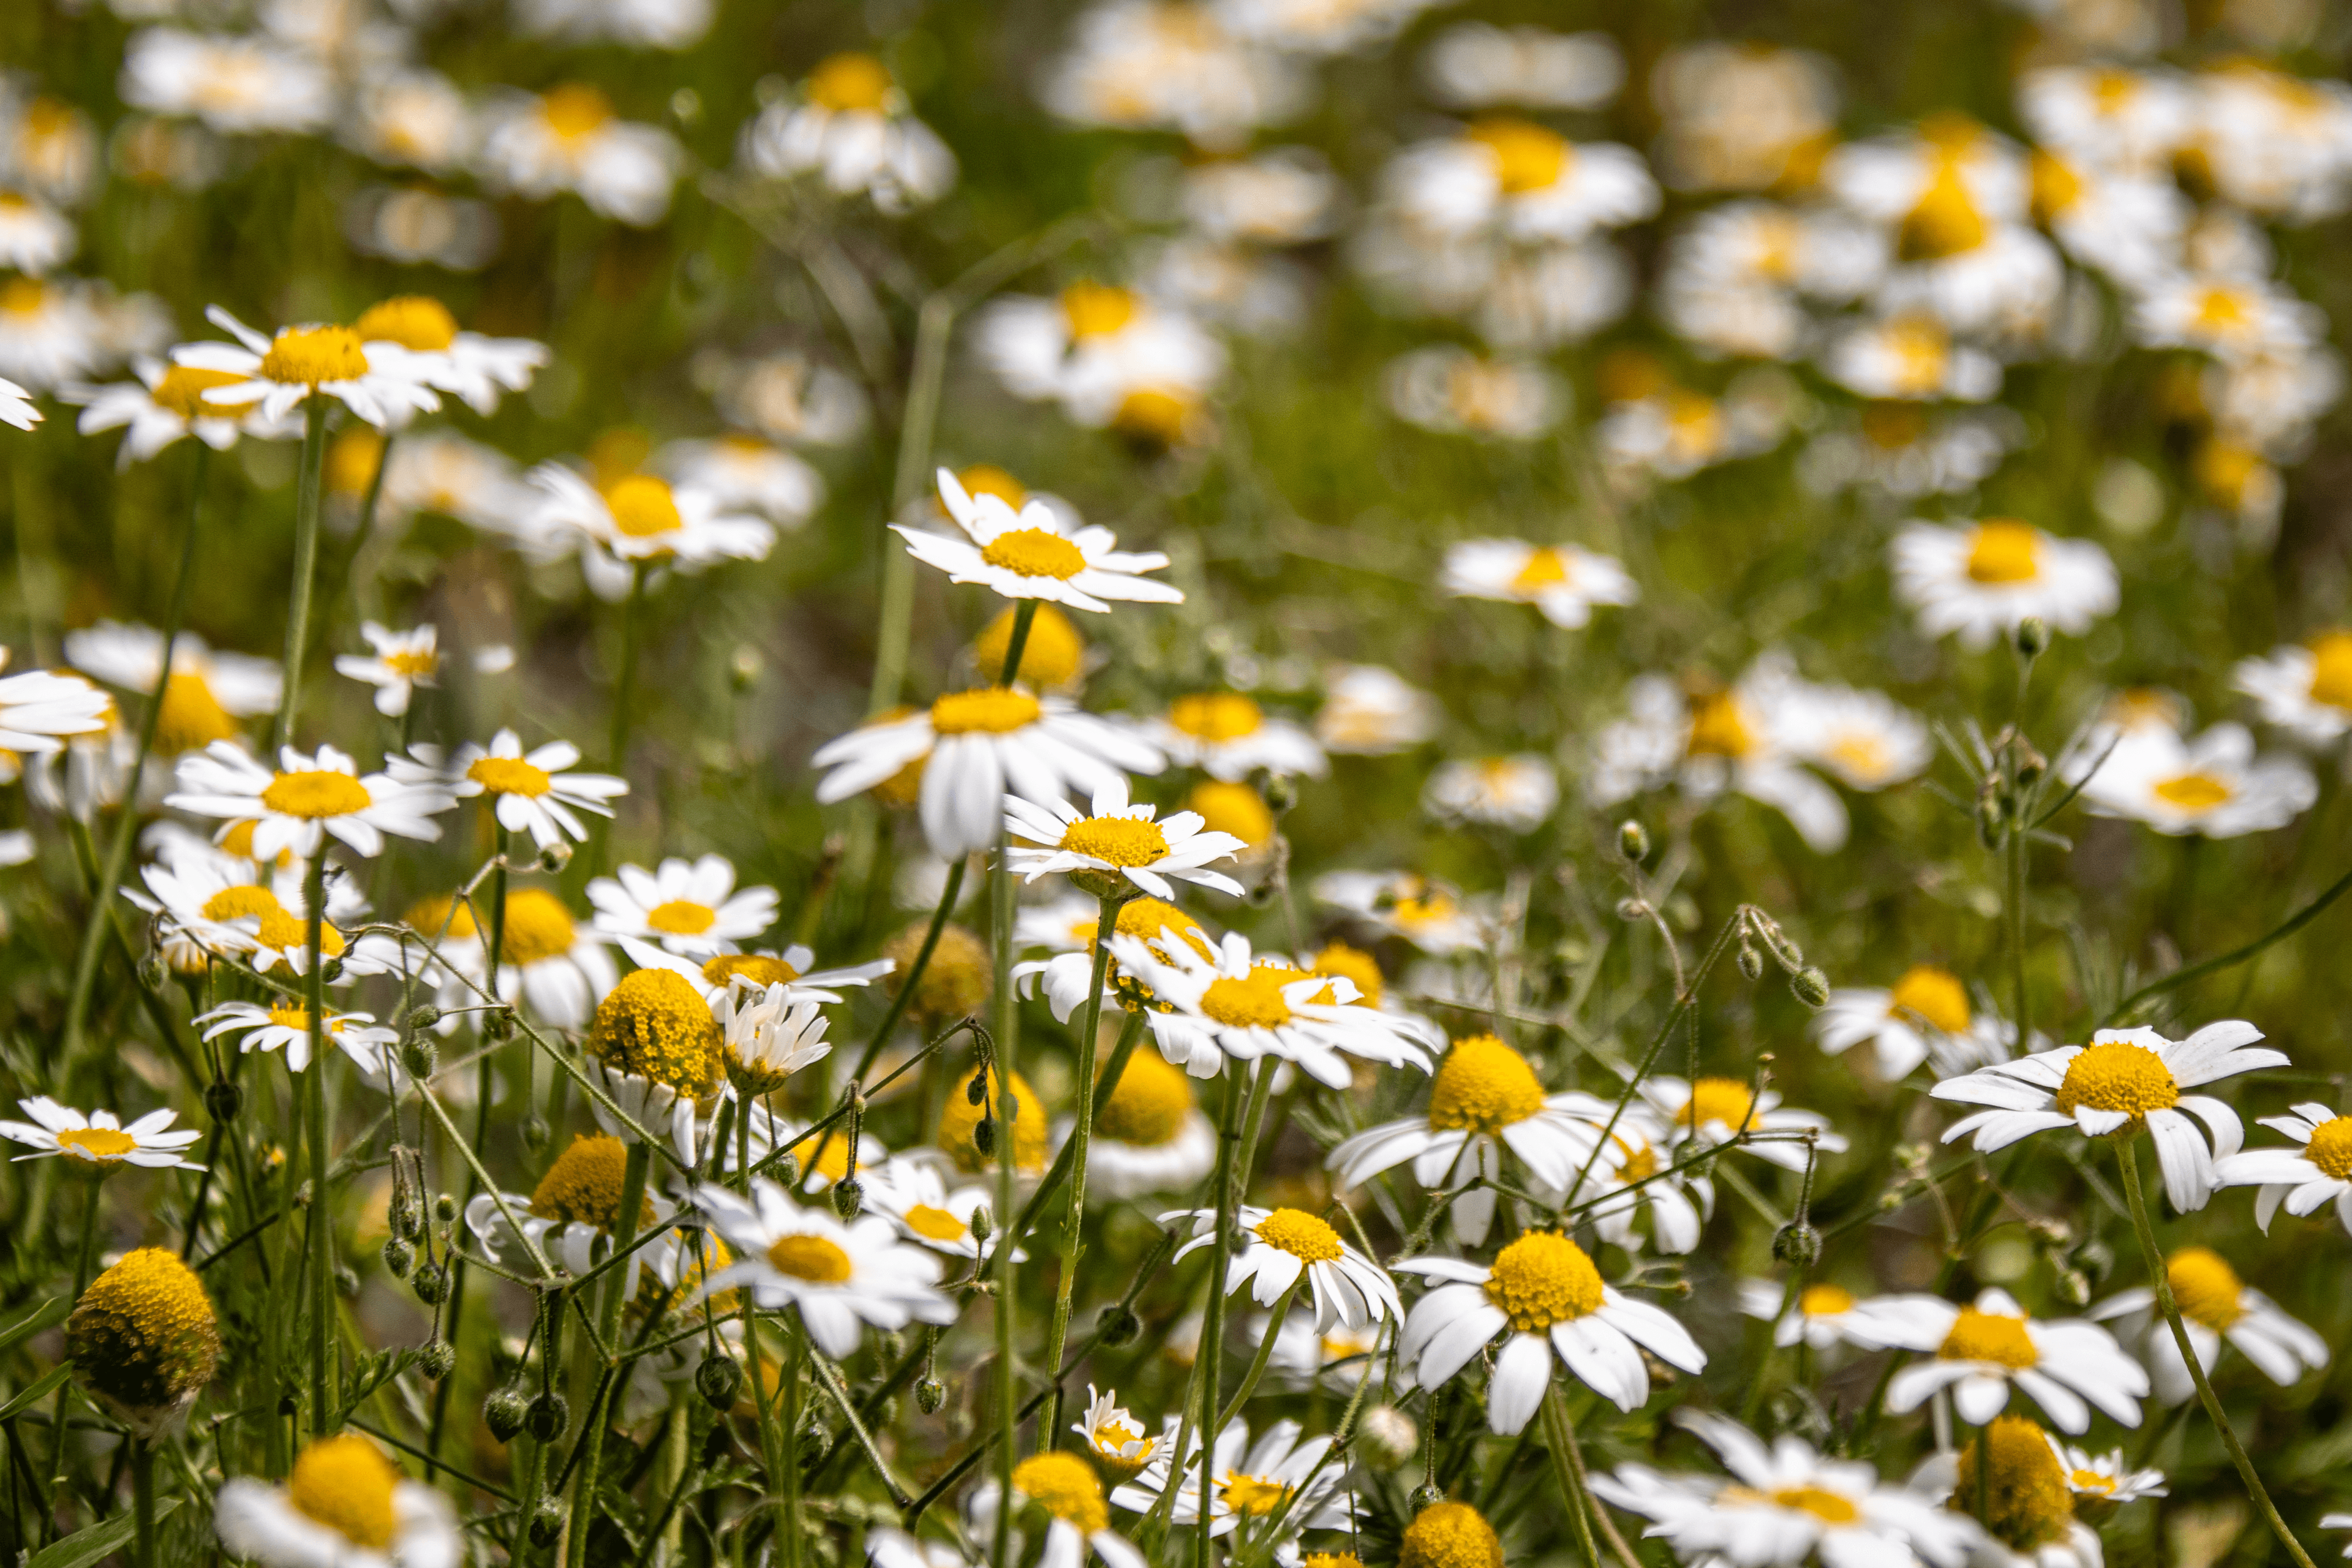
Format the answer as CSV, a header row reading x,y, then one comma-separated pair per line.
x,y
2017,851
118,852
932,326
306,561
608,1316
1023,619
323,1421
142,1500
914,976
795,1350
2129,1158
1007,1106
1559,1440
1264,1353
1106,921
2197,971
1212,1322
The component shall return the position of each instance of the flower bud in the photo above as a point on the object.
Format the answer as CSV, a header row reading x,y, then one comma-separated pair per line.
x,y
1798,1245
1632,841
554,858
2028,762
717,1379
399,1255
548,1415
983,1222
1424,1497
1751,962
1116,1326
445,1208
1811,986
437,1360
929,1394
1388,1437
498,1025
984,1135
223,1100
420,1018
788,1171
546,1522
144,1339
419,1057
848,1197
2032,638
406,1217
2074,1287
976,1091
504,1411
534,1132
432,1286
152,972
1281,792
347,1281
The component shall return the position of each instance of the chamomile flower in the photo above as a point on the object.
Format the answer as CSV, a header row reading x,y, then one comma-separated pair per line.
x,y
165,402
1242,1006
975,747
1516,792
2225,316
1635,1177
1475,65
658,1053
1982,1350
1562,581
16,406
1744,116
402,662
1484,1099
2215,1305
1034,553
1064,977
1544,1293
689,907
469,365
286,1026
637,23
1108,355
1113,842
548,961
1371,710
1432,917
535,790
570,1214
2123,1081
851,125
2212,785
53,336
241,84
144,1339
33,236
767,1037
639,522
568,139
274,376
2320,1172
1521,180
100,1139
2306,690
1285,1243
838,1276
1714,1111
794,966
1783,1505
1167,64
1228,735
1250,1483
1986,577
306,799
1910,358
1823,1315
1908,450
913,1192
1905,1024
1455,391
1115,1434
1066,1491
210,691
746,473
37,708
2107,1479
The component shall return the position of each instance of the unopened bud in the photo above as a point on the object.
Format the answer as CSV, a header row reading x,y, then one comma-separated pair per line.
x,y
1632,841
223,1100
347,1281
848,1197
302,1196
982,1221
2074,1287
444,1207
788,1170
976,1091
399,1257
432,1286
929,1394
534,1131
1798,1245
2028,762
406,1217
152,972
984,1135
1281,792
1751,962
1811,986
554,858
419,1057
504,1413
437,1360
2032,638
546,1522
421,1017
717,1380
1992,813
548,1415
1117,1326
1424,1497
498,1025
1388,1437
1632,908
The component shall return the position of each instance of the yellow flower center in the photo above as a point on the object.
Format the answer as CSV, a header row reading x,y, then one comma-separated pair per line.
x,y
1717,729
282,931
1052,657
1028,1126
1111,1445
993,709
1150,1104
681,917
237,902
1824,1301
2331,669
849,81
655,1025
642,507
988,479
575,111
815,1258
317,794
1330,1560
1096,309
1158,921
1934,995
430,915
288,1015
418,664
2193,791
1252,1495
1724,1099
935,1224
1154,413
1828,1507
2004,550
1639,1160
1117,840
508,775
2056,186
182,390
352,457
1864,756
1215,716
1544,568
1945,223
1251,1001
312,354
1450,1536
1066,1487
102,1143
1034,552
2330,1148
23,296
537,928
1994,1337
957,983
413,321
2205,1286
2028,1504
1527,157
1482,1086
191,717
346,1484
1353,965
584,1186
2118,1076
1299,1234
1543,1278
2091,1481
1232,806
1921,351
760,968
2222,311
144,1334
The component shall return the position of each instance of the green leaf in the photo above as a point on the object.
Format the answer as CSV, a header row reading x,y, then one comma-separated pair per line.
x,y
84,1547
33,1394
48,1314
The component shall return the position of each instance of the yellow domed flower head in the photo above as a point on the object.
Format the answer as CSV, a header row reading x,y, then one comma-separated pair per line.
x,y
584,1186
1352,964
1066,1487
1151,1103
346,1483
1230,807
1450,1536
1028,1129
655,1025
1054,656
760,969
145,1340
2027,1503
957,982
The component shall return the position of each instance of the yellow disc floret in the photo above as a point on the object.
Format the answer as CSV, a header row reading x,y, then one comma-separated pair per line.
x,y
312,354
643,507
143,1337
584,1186
815,1258
537,928
316,793
934,1224
1934,995
1117,840
575,111
1717,729
1995,1337
103,1145
681,917
1215,716
241,901
655,1025
1028,1129
2027,1503
1254,1496
1450,1536
844,82
1230,807
1096,309
508,776
762,969
415,321
1150,1104
1528,156
442,917
1824,1301
1066,1487
1482,1086
346,1484
2331,669
2002,551
1052,657
1299,1234
2205,1286
2118,1076
192,717
991,711
1543,1278
1034,552
956,982
2194,793
1717,1099
181,390
2330,1148
1350,963
1159,922
1253,1001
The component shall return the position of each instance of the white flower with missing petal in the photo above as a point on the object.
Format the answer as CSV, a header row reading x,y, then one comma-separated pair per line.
x,y
2320,1172
1284,1244
2215,1306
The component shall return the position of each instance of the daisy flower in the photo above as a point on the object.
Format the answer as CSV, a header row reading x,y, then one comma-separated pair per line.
x,y
794,966
1909,358
343,1503
1518,179
241,84
287,1026
304,800
100,1139
570,1216
1712,1111
402,662
37,707
1485,1097
16,406
1544,1293
1228,736
276,375
1475,65
210,690
1370,711
911,1191
1147,64
766,1038
2212,785
1064,977
2096,1478
534,790
1252,1482
2306,690
1407,905
2225,316
1980,1351
1065,1490
1114,1435
469,365
975,747
1034,553
637,521
2124,1080
1455,391
1516,792
1348,1287
2215,1305
1113,842
1823,1315
689,907
1239,1006
2303,1178
1987,576
851,124
838,1276
745,473
570,139
56,336
1904,1024
1108,355
547,961
165,402
1633,1179
1783,1504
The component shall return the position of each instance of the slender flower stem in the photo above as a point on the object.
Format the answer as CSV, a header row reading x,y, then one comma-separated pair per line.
x,y
306,561
1023,619
142,1500
625,691
1560,1441
1080,1136
795,1352
1264,1353
314,1089
2129,1158
608,1315
1007,1109
914,976
118,851
1212,1322
2017,851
